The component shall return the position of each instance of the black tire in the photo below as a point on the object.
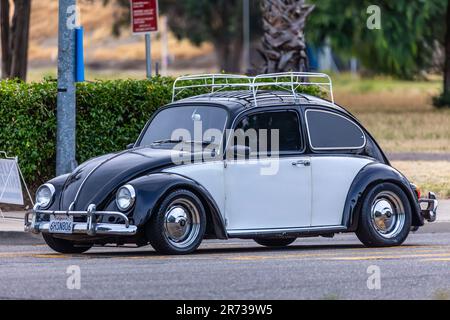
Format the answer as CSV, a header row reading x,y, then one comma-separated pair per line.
x,y
158,232
391,229
275,242
65,246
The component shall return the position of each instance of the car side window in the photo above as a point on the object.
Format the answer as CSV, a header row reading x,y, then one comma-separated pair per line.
x,y
270,133
331,131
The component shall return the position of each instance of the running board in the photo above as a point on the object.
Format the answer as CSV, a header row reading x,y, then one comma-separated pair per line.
x,y
285,232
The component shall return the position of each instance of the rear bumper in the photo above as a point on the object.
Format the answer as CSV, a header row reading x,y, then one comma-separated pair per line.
x,y
90,228
428,207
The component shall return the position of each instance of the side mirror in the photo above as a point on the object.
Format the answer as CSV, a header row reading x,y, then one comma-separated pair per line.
x,y
130,146
240,151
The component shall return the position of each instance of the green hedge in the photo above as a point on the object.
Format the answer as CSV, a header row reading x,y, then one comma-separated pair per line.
x,y
110,115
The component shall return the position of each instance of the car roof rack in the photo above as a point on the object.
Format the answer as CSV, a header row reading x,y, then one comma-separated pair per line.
x,y
291,82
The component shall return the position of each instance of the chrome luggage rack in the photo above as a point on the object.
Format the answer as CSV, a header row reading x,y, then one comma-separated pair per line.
x,y
291,82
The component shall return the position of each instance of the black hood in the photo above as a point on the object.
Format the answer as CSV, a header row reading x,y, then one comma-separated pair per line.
x,y
104,175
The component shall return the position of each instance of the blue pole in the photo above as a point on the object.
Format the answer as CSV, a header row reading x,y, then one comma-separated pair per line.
x,y
79,55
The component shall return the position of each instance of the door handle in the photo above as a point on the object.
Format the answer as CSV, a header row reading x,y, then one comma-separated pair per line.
x,y
305,163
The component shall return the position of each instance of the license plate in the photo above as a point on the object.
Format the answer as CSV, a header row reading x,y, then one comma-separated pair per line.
x,y
61,224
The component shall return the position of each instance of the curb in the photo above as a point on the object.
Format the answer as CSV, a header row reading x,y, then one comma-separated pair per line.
x,y
20,238
435,227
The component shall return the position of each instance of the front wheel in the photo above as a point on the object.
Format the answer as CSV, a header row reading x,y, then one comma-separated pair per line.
x,y
385,216
275,242
179,225
65,246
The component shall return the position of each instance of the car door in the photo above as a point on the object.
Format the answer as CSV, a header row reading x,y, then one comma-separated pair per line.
x,y
335,141
271,189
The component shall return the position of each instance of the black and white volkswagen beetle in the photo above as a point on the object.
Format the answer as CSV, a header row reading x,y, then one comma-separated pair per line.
x,y
250,163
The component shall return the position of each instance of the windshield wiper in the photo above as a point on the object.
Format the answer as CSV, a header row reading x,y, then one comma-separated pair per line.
x,y
167,141
203,143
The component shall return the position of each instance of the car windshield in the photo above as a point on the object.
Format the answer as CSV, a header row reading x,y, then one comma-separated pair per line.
x,y
202,125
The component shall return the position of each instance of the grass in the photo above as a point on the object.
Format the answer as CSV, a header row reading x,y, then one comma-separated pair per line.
x,y
100,45
441,295
427,175
399,114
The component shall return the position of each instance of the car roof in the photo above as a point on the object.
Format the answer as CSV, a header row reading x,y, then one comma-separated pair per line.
x,y
239,100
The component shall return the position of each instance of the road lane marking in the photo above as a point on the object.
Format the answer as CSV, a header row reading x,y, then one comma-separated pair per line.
x,y
385,257
284,256
436,260
52,256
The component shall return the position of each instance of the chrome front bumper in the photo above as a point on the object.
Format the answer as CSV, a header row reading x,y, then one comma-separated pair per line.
x,y
428,207
91,227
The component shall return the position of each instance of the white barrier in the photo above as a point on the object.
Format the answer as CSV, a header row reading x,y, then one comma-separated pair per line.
x,y
10,181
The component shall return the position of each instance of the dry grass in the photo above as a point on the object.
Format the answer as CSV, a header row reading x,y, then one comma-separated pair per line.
x,y
441,295
100,45
136,51
427,175
398,113
409,131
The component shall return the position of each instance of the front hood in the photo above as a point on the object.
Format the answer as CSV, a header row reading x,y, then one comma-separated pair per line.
x,y
96,179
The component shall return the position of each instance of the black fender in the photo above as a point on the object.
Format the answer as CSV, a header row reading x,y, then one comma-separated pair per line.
x,y
372,174
58,183
151,189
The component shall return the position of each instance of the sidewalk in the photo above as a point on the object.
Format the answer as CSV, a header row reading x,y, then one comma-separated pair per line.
x,y
12,230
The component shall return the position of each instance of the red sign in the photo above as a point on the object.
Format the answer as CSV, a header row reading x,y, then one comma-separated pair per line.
x,y
144,16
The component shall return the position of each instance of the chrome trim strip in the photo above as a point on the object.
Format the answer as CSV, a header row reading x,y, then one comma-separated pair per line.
x,y
100,229
235,232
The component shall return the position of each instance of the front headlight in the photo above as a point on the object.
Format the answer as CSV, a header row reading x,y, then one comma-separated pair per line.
x,y
125,197
45,195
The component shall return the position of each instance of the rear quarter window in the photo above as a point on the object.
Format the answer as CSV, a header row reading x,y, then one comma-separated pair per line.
x,y
331,131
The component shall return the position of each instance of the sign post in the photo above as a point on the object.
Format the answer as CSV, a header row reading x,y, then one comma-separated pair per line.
x,y
148,55
144,20
66,110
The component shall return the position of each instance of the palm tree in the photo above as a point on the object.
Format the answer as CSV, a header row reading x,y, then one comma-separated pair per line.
x,y
283,43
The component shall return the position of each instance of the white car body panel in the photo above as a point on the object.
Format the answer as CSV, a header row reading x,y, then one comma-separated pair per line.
x,y
256,201
209,175
332,177
295,197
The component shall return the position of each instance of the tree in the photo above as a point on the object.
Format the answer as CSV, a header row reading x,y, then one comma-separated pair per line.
x,y
283,43
15,38
401,47
216,21
447,58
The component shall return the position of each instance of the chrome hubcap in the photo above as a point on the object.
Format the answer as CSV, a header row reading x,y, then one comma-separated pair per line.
x,y
181,223
388,214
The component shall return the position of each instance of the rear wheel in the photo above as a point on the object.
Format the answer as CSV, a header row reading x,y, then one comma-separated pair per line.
x,y
179,225
385,217
64,246
275,242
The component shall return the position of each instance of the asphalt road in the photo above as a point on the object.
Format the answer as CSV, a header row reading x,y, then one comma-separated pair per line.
x,y
312,268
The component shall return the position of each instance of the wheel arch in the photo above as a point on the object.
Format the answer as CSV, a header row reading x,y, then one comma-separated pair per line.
x,y
369,176
151,190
